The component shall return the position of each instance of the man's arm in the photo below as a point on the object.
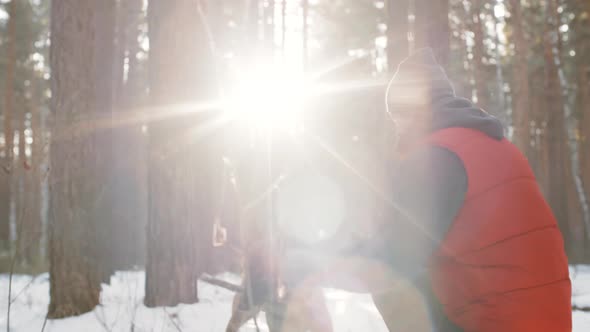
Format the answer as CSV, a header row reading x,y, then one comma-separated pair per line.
x,y
428,190
429,187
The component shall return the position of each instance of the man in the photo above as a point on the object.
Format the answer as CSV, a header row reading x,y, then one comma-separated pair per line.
x,y
465,221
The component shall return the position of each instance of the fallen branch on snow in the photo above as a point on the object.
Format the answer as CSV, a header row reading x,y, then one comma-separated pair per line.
x,y
221,283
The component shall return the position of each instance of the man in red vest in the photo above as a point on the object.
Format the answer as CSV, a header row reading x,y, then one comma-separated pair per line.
x,y
465,221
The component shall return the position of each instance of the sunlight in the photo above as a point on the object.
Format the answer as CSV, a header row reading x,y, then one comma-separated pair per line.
x,y
500,10
269,99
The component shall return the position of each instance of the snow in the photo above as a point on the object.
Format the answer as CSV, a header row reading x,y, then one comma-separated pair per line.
x,y
122,308
580,275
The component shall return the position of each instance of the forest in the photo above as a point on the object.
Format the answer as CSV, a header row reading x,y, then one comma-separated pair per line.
x,y
153,143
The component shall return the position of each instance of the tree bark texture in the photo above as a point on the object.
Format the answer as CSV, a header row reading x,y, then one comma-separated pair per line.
x,y
581,43
180,202
129,158
74,279
582,26
520,86
431,27
397,32
479,53
32,252
7,160
22,188
107,225
556,135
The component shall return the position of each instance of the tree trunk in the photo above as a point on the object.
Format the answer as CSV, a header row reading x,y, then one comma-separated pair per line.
x,y
585,128
538,149
105,14
458,73
520,86
479,53
22,190
584,147
578,214
180,157
305,32
556,131
33,251
397,32
575,216
7,158
129,158
431,28
581,29
269,27
120,53
583,68
283,28
251,37
500,83
74,282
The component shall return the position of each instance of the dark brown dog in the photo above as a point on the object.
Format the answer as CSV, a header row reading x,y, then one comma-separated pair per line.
x,y
299,311
286,310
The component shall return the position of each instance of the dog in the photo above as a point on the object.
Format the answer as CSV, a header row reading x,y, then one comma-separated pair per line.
x,y
287,310
298,312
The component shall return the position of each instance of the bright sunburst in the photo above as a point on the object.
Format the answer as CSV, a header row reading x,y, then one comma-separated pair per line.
x,y
269,98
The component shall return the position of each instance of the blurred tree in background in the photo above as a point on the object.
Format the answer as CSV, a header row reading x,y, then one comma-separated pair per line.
x,y
23,65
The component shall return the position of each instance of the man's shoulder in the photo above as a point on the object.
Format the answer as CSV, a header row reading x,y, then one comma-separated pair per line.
x,y
432,159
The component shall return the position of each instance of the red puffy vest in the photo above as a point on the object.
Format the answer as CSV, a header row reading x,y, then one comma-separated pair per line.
x,y
502,265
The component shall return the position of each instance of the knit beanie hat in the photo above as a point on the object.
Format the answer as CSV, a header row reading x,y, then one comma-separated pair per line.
x,y
418,81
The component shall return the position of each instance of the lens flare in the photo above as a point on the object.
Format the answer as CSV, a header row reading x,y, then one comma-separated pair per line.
x,y
269,99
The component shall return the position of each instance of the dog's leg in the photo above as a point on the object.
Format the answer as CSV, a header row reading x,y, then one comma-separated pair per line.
x,y
275,316
403,308
319,317
239,315
306,310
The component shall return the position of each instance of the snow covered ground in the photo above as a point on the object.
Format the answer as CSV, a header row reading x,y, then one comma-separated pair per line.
x,y
121,308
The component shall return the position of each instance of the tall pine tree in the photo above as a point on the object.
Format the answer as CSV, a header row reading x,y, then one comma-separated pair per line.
x,y
74,277
180,207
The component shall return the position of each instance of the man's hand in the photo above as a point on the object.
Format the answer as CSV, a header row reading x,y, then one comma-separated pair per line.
x,y
304,268
299,265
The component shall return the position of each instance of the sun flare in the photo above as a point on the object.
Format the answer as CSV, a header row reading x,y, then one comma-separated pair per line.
x,y
269,98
